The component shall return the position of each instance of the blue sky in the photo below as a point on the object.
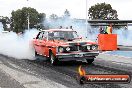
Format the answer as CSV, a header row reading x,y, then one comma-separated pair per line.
x,y
77,8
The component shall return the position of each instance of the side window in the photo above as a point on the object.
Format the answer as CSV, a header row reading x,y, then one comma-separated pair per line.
x,y
51,35
44,35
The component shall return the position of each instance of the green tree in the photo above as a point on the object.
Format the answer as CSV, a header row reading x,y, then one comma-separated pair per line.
x,y
41,17
19,18
66,14
53,17
102,11
5,21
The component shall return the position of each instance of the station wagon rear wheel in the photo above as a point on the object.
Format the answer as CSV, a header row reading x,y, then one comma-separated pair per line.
x,y
36,55
53,59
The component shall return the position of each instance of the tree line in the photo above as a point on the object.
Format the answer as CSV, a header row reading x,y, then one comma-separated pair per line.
x,y
18,21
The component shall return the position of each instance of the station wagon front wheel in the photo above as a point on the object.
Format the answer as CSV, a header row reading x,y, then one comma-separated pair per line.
x,y
53,59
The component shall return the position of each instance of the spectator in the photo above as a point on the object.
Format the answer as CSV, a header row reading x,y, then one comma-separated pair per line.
x,y
109,29
71,27
66,27
60,27
101,31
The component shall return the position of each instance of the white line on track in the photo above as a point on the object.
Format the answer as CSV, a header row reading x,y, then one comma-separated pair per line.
x,y
30,81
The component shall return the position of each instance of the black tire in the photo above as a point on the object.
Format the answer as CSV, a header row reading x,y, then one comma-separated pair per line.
x,y
36,56
53,60
90,61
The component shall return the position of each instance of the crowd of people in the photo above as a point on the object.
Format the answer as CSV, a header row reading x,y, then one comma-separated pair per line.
x,y
105,30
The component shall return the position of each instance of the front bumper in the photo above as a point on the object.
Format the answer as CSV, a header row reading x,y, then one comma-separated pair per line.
x,y
77,55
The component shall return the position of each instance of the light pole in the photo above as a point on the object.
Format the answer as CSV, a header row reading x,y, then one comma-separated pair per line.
x,y
28,19
86,19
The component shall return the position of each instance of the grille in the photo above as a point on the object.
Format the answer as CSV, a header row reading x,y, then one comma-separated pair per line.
x,y
74,48
78,48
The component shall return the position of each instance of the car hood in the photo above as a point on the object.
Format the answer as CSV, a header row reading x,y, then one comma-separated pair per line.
x,y
75,42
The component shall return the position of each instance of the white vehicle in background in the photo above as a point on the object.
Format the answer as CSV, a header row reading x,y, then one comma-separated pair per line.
x,y
129,27
5,32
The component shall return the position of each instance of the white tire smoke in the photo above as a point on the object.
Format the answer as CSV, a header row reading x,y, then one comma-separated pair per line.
x,y
17,46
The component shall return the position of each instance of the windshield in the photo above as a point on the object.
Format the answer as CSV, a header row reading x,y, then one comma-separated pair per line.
x,y
63,35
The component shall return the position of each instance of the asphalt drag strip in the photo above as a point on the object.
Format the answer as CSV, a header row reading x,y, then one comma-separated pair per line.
x,y
65,73
7,82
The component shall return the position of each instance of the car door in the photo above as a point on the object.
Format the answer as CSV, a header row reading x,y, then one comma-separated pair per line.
x,y
43,43
37,42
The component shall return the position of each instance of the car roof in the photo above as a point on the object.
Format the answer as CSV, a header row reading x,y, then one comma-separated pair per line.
x,y
52,30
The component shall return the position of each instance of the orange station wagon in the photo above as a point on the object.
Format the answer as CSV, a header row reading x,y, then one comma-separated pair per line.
x,y
64,45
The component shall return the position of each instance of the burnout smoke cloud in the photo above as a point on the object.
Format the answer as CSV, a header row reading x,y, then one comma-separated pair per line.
x,y
124,36
17,46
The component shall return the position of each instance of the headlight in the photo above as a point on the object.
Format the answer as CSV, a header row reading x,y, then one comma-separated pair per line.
x,y
94,47
88,47
61,49
67,48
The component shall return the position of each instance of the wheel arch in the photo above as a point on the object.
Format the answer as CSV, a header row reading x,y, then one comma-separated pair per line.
x,y
52,50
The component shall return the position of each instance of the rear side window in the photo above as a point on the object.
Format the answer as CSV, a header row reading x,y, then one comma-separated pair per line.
x,y
40,36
